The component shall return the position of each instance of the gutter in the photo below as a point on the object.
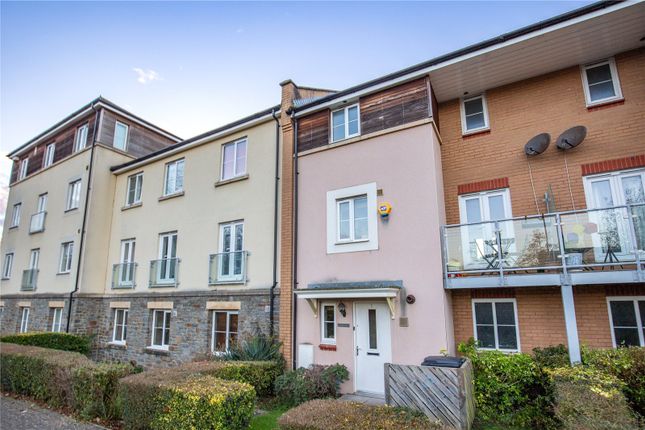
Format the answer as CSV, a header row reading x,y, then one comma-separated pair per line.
x,y
294,301
275,225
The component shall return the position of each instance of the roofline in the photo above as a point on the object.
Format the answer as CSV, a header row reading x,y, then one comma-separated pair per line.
x,y
84,110
492,42
256,118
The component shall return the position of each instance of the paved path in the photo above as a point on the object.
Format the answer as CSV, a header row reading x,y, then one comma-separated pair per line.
x,y
368,399
23,415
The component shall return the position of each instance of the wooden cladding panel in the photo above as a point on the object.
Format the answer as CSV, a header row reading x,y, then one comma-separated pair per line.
x,y
313,131
141,141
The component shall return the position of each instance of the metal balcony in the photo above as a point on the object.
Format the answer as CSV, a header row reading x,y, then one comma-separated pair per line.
x,y
227,268
37,223
124,275
29,280
164,273
592,246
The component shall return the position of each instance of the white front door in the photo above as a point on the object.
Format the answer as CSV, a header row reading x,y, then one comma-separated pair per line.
x,y
373,345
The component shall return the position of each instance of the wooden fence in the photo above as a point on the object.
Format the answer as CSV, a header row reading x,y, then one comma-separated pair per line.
x,y
441,393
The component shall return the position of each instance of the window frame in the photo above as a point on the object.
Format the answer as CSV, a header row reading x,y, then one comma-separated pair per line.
x,y
23,168
72,197
345,110
57,323
235,143
640,319
615,80
124,327
16,213
352,219
228,329
462,107
7,265
495,326
67,255
48,158
138,180
164,329
371,243
167,172
323,339
81,130
24,319
127,134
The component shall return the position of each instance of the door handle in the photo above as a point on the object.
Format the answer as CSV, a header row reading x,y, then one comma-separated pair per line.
x,y
357,349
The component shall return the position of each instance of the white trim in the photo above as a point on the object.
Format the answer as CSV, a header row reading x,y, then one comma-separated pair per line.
x,y
517,324
371,243
615,80
73,200
175,190
227,331
81,130
462,107
348,293
66,253
7,265
483,204
134,177
639,318
24,166
235,145
346,133
327,340
164,329
124,326
233,251
57,322
15,215
127,135
46,159
24,319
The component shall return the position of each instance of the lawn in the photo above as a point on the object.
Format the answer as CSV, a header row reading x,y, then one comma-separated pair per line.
x,y
269,420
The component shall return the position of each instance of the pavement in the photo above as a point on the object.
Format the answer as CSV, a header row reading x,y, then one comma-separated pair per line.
x,y
24,415
367,398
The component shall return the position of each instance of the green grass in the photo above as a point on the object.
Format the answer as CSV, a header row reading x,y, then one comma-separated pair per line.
x,y
268,421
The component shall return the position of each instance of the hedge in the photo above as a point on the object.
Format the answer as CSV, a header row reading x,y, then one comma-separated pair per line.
x,y
180,398
341,415
259,374
317,382
61,341
62,379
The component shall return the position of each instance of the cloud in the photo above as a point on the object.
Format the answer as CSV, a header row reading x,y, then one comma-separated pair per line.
x,y
146,76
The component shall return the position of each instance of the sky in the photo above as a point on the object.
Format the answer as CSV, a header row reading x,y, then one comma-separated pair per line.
x,y
189,67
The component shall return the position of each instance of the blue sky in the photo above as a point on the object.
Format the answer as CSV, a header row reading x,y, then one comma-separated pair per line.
x,y
192,66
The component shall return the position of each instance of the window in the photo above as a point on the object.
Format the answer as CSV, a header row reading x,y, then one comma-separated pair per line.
x,y
73,195
351,219
120,136
496,324
626,316
167,264
234,159
328,324
7,266
120,326
24,319
37,223
474,114
15,215
224,330
345,123
66,253
81,138
231,246
600,82
135,184
50,151
34,257
174,182
161,329
57,318
22,174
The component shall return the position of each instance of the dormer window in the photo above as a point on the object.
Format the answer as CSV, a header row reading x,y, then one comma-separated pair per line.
x,y
22,174
345,123
81,138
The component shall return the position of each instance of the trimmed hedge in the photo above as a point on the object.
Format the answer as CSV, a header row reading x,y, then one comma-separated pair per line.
x,y
60,341
261,375
317,382
340,415
180,398
62,379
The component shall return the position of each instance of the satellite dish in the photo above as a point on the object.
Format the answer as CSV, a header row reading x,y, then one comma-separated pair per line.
x,y
572,137
537,144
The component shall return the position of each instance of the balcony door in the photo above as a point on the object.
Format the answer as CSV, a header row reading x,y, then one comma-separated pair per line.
x,y
127,262
230,247
34,256
167,258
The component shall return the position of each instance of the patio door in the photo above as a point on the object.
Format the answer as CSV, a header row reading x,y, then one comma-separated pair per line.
x,y
167,258
373,346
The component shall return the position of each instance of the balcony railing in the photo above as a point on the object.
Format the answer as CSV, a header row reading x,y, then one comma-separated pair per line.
x,y
164,272
227,268
37,223
29,280
577,247
124,275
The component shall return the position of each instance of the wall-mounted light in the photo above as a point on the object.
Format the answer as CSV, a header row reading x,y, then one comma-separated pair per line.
x,y
342,309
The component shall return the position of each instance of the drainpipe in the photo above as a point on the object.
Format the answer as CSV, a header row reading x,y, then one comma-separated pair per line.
x,y
83,225
294,301
275,226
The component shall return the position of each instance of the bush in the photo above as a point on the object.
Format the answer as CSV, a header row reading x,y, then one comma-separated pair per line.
x,y
551,357
589,399
340,415
258,347
175,399
60,341
62,379
261,375
317,382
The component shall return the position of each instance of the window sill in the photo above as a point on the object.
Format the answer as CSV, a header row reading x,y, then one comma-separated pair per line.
x,y
37,231
63,273
478,132
4,279
349,242
605,104
157,350
231,180
117,345
13,227
227,282
70,210
132,206
331,142
327,347
171,196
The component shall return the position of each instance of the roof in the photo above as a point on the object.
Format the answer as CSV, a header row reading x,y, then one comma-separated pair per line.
x,y
82,111
173,148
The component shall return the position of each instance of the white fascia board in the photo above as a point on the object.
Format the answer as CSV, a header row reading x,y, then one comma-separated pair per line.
x,y
350,293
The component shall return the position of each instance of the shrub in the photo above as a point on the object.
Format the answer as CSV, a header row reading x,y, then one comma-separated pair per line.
x,y
316,382
95,389
589,399
259,374
61,341
259,347
177,398
551,357
340,415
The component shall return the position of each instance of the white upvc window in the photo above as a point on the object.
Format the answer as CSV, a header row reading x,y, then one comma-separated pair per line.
x,y
50,151
224,330
127,266
135,185
7,266
231,251
120,329
24,319
34,258
167,263
627,320
22,173
120,136
352,219
174,180
495,324
600,82
66,254
57,320
234,159
474,114
328,323
73,195
160,328
81,138
345,123
15,215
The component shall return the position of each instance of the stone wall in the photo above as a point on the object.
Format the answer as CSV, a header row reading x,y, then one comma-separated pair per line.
x,y
40,312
